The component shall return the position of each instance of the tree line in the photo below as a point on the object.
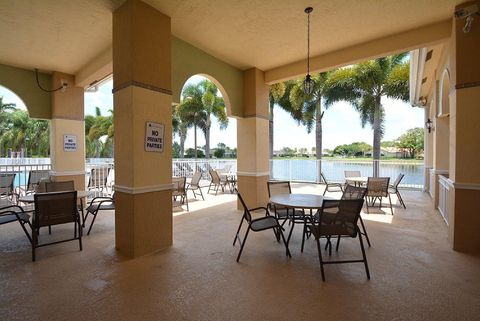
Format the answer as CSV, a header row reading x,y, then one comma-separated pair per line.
x,y
22,134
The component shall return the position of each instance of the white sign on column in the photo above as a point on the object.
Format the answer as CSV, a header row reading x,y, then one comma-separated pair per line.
x,y
69,143
154,137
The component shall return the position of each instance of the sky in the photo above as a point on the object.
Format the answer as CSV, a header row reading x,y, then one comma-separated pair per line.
x,y
341,124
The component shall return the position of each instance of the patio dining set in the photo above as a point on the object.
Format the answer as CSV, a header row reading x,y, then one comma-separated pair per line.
x,y
44,203
321,217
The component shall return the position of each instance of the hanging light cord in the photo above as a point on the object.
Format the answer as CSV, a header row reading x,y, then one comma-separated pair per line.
x,y
308,45
46,90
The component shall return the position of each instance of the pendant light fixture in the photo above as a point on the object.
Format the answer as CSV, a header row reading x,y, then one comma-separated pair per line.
x,y
308,83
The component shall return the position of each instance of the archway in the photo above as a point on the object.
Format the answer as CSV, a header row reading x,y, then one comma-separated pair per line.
x,y
204,136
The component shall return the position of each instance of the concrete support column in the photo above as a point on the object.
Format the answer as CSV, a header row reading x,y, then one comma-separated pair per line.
x,y
142,93
464,139
252,140
68,162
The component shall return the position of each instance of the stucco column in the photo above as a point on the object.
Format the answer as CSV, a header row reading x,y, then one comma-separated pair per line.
x,y
464,139
67,132
142,93
252,140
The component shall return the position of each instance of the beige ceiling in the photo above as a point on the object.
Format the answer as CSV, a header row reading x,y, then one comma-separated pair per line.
x,y
65,35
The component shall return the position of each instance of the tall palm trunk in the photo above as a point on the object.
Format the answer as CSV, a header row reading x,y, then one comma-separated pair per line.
x,y
318,137
270,130
207,137
183,137
377,134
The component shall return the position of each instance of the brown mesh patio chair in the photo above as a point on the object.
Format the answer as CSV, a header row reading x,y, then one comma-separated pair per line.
x,y
266,222
54,209
217,182
59,186
345,225
97,204
7,191
330,186
377,188
393,189
179,191
34,178
282,213
194,185
15,213
98,178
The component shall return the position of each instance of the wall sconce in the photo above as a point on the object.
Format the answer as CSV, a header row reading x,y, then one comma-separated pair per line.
x,y
429,125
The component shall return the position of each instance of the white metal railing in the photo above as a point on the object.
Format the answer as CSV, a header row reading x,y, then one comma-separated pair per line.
x,y
21,168
334,170
187,167
443,197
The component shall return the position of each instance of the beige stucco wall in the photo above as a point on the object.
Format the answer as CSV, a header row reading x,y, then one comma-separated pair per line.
x,y
188,61
22,82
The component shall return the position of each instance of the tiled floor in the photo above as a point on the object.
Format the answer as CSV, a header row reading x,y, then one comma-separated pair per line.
x,y
415,274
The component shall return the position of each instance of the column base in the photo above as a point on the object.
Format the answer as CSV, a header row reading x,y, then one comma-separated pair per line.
x,y
465,221
253,189
143,222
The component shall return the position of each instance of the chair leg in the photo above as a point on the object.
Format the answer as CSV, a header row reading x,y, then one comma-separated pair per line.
x,y
320,259
338,243
363,254
365,232
34,243
390,201
291,230
401,199
284,242
186,201
366,203
303,235
203,198
80,234
243,244
326,187
49,230
237,234
93,221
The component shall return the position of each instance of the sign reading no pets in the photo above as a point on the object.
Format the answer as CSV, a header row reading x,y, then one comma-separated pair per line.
x,y
154,137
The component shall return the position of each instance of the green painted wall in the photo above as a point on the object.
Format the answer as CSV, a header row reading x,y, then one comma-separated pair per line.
x,y
22,82
188,60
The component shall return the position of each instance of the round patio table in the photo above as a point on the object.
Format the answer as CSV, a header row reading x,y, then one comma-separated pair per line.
x,y
29,198
304,201
357,181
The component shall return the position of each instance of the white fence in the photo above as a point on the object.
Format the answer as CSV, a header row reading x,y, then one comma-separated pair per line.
x,y
334,170
443,194
100,172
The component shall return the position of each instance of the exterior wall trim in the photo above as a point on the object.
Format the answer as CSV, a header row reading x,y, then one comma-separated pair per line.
x,y
143,189
459,185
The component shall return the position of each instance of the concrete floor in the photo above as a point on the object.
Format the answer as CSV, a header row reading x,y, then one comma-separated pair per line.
x,y
415,274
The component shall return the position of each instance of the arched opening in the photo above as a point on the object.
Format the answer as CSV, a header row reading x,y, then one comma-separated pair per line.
x,y
24,141
204,138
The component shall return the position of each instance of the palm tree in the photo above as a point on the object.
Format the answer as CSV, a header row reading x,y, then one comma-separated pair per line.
x,y
311,106
180,128
99,127
279,96
363,85
199,103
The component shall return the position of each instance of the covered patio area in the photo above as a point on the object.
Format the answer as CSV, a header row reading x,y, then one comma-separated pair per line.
x,y
415,275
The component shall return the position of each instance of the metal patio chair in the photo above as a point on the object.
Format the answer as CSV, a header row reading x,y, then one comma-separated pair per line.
x,y
330,185
54,209
345,224
194,185
393,189
98,179
97,204
282,213
15,213
266,222
179,191
34,178
217,182
7,191
377,188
